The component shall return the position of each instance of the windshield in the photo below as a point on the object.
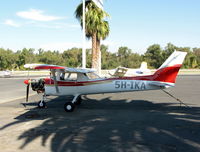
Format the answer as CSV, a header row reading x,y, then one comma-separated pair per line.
x,y
92,76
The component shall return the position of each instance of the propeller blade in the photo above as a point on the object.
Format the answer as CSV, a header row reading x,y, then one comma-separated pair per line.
x,y
27,92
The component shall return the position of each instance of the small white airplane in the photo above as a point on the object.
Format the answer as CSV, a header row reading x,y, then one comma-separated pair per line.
x,y
65,81
143,69
123,71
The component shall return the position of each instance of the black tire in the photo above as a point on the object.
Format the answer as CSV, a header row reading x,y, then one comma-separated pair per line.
x,y
69,107
78,101
41,104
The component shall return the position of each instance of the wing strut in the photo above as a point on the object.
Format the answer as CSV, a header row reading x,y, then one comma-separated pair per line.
x,y
55,81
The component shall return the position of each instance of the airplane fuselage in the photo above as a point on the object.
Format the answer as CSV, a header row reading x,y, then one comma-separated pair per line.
x,y
98,86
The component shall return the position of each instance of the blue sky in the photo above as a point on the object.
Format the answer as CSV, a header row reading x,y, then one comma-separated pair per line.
x,y
51,24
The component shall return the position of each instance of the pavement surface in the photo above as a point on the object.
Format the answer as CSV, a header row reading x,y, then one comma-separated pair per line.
x,y
13,88
140,121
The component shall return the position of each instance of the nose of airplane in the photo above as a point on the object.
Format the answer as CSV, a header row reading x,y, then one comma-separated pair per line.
x,y
26,82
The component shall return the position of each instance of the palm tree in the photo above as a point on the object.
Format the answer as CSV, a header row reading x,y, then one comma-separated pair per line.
x,y
97,29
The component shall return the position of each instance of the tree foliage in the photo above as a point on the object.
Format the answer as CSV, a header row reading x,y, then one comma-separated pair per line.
x,y
124,56
154,55
96,27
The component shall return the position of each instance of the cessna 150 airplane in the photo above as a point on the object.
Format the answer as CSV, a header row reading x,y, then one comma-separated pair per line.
x,y
65,81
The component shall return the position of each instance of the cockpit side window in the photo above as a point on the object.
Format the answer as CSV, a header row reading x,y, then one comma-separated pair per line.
x,y
70,77
66,76
62,76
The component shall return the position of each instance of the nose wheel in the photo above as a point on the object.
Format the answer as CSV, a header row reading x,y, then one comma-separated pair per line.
x,y
41,104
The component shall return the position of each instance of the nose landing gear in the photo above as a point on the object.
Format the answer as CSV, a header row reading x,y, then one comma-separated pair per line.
x,y
42,103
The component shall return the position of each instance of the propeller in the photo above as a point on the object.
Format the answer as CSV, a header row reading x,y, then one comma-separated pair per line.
x,y
27,82
27,92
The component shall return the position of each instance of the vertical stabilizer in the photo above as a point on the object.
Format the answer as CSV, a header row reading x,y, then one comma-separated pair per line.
x,y
168,71
176,58
143,65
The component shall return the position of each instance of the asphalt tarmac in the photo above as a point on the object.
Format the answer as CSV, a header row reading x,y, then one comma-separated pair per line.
x,y
136,122
12,89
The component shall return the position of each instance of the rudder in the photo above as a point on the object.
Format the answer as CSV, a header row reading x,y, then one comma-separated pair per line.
x,y
168,71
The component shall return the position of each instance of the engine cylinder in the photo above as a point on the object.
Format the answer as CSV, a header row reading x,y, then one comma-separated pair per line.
x,y
38,85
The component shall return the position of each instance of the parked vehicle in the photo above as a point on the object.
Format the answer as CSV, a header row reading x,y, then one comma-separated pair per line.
x,y
5,74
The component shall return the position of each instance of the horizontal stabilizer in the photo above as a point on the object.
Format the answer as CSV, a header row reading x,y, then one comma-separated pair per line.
x,y
161,84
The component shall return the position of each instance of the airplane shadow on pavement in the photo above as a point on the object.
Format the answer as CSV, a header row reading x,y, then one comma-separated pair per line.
x,y
113,125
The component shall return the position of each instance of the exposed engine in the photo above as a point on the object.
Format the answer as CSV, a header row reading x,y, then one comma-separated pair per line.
x,y
37,85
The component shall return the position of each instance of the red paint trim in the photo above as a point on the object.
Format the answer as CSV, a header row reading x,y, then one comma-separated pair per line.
x,y
49,67
167,74
49,81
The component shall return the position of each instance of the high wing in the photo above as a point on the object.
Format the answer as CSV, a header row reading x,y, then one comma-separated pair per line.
x,y
54,67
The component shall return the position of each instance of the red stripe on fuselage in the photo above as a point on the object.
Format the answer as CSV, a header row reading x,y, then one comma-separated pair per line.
x,y
167,74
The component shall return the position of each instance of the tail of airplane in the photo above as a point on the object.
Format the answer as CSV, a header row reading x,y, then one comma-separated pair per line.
x,y
168,71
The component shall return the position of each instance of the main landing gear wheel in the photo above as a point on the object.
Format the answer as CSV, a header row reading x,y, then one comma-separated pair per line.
x,y
69,107
78,101
41,104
